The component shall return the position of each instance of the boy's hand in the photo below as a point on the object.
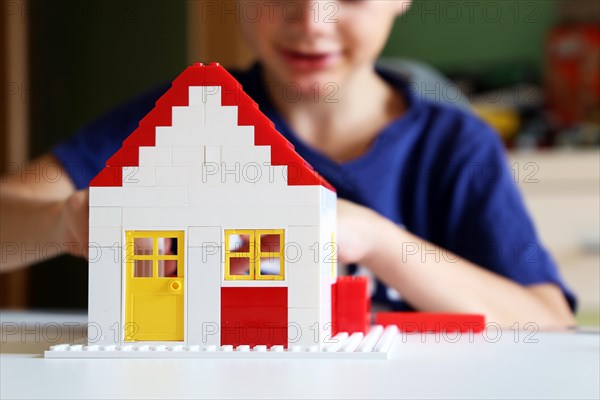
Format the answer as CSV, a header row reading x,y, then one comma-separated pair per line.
x,y
357,231
75,215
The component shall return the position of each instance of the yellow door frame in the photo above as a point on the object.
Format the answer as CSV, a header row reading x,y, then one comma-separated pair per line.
x,y
154,305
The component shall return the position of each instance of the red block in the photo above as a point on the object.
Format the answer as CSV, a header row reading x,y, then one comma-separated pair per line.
x,y
254,315
109,176
254,296
334,323
282,152
351,305
194,75
142,136
159,116
249,114
126,156
175,96
230,88
431,322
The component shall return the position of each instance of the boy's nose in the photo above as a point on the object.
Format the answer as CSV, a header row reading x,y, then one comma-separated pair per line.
x,y
314,18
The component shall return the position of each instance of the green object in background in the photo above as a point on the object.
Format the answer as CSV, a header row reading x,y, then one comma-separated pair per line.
x,y
458,35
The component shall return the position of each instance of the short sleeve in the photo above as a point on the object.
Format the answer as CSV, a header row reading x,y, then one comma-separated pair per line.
x,y
84,154
488,222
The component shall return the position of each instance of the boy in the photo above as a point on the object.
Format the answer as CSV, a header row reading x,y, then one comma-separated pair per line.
x,y
426,202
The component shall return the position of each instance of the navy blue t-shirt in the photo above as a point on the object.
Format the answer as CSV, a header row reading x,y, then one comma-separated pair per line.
x,y
437,170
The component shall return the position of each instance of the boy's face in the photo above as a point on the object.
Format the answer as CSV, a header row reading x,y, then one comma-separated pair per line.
x,y
306,42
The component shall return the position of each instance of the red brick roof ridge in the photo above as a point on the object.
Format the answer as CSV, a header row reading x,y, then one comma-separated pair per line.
x,y
300,172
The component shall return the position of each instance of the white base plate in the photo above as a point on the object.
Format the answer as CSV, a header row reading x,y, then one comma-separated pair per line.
x,y
375,345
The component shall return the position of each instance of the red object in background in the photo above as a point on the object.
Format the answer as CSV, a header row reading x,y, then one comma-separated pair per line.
x,y
573,74
350,305
431,322
254,315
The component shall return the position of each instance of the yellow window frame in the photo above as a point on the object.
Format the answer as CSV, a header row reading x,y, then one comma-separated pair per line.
x,y
230,254
270,255
131,257
254,255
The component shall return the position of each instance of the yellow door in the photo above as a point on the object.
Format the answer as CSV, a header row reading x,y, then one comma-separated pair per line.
x,y
154,286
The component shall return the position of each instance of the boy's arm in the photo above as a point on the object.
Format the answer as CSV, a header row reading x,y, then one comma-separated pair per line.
x,y
42,214
450,284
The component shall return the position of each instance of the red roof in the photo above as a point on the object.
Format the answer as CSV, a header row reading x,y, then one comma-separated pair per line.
x,y
232,94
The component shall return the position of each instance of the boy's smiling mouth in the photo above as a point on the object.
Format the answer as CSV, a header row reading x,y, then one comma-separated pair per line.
x,y
305,60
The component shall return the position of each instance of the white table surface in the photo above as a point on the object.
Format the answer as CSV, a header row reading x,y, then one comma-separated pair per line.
x,y
558,365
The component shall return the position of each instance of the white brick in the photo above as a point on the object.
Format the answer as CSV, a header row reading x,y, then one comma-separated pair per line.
x,y
177,136
278,176
139,176
303,195
155,217
104,302
227,217
169,136
200,236
155,196
233,196
217,196
329,198
173,176
270,177
233,135
325,327
209,96
325,293
307,238
298,275
260,155
207,174
105,236
222,116
328,269
105,216
239,175
203,296
184,156
305,296
304,255
152,156
106,196
328,227
300,321
188,116
212,154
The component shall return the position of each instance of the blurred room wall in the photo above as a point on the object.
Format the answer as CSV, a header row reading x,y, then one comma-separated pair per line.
x,y
85,57
88,56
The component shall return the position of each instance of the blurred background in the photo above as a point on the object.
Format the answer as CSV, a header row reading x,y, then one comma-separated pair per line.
x,y
531,68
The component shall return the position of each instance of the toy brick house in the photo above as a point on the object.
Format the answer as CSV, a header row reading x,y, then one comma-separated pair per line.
x,y
206,228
